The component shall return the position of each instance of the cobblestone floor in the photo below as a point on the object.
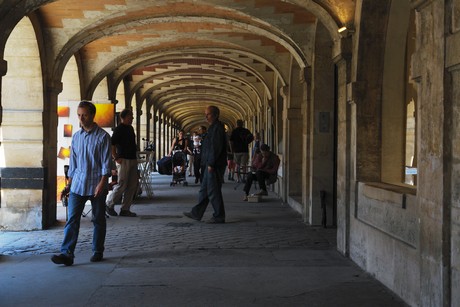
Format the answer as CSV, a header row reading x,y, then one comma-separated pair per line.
x,y
264,255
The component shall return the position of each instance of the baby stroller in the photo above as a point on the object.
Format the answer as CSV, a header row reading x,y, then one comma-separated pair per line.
x,y
179,167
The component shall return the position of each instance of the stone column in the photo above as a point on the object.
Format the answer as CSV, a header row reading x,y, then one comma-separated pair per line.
x,y
3,70
138,118
428,69
28,168
321,134
292,130
163,132
160,138
344,151
148,118
50,124
452,216
154,135
307,108
452,168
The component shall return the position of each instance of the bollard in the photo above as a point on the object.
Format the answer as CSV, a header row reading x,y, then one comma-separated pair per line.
x,y
323,208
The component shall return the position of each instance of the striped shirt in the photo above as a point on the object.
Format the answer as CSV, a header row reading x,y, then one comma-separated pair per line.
x,y
90,159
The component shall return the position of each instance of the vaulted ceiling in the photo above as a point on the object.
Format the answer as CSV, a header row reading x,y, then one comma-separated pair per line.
x,y
179,56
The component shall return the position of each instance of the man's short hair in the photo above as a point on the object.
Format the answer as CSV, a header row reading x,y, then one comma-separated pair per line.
x,y
88,105
239,123
264,147
215,111
125,113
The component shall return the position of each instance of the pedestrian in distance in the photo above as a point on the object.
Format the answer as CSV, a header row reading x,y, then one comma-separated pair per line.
x,y
213,163
124,154
191,156
239,143
89,170
180,143
197,143
231,165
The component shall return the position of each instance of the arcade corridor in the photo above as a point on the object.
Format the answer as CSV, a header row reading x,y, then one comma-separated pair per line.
x,y
359,99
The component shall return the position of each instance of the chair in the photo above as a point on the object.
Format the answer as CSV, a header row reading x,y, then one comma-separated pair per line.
x,y
243,172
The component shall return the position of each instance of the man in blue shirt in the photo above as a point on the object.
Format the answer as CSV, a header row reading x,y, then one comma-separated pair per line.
x,y
89,170
213,163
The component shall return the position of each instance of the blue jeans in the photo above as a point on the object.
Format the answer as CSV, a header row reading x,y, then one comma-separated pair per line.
x,y
211,191
72,227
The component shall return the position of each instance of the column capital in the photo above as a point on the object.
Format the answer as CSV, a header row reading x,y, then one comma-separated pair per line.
x,y
344,50
355,90
55,87
284,91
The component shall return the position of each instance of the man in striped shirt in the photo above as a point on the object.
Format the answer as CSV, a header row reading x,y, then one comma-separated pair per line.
x,y
89,170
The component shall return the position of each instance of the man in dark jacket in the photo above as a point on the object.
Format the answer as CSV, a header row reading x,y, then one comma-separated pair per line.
x,y
213,162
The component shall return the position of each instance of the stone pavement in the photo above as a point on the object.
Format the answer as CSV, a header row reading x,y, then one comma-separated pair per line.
x,y
263,256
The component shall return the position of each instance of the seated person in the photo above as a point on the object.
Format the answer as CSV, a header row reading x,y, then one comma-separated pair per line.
x,y
265,166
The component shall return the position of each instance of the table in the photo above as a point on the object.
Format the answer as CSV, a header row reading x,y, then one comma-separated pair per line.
x,y
144,165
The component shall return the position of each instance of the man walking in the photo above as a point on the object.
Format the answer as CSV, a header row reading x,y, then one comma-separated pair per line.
x,y
124,153
89,170
213,162
239,142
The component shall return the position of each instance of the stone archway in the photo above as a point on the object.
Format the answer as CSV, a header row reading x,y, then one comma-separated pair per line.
x,y
22,148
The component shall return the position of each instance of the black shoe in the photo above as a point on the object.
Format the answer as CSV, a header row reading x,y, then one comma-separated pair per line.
x,y
127,213
213,220
196,180
110,211
190,215
96,257
62,259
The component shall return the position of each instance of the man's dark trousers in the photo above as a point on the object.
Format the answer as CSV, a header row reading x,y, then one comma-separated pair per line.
x,y
210,191
261,176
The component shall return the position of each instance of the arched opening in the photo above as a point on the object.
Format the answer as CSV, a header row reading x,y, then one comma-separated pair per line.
x,y
68,124
21,132
399,99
